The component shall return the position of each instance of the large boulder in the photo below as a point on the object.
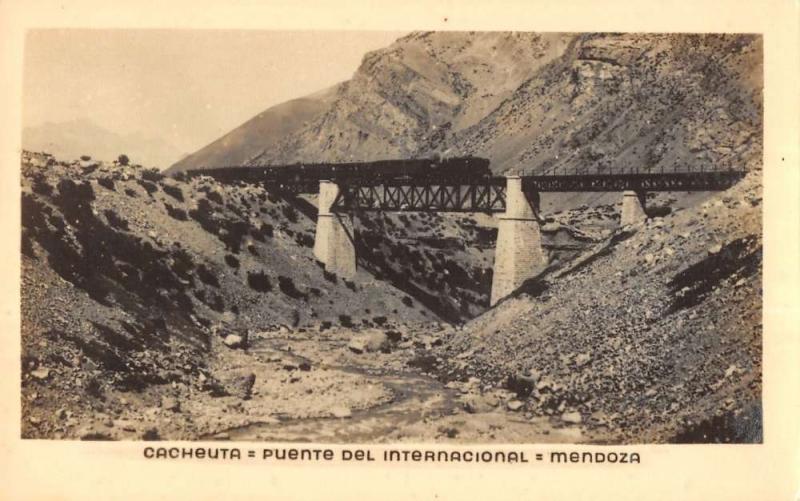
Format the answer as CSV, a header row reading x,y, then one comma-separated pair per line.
x,y
476,403
369,341
233,341
170,404
241,385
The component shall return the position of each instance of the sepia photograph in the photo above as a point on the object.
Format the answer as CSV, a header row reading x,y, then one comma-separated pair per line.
x,y
392,237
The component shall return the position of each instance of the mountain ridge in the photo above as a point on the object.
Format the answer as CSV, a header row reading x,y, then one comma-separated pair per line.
x,y
536,103
74,138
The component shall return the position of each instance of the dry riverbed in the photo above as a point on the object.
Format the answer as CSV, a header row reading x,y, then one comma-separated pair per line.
x,y
332,386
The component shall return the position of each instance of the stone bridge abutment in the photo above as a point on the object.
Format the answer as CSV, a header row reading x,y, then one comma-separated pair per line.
x,y
333,242
519,254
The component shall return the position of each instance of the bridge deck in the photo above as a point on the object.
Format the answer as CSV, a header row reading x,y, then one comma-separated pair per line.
x,y
456,185
488,194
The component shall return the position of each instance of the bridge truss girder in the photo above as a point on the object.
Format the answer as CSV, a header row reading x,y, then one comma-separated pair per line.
x,y
488,194
456,197
675,181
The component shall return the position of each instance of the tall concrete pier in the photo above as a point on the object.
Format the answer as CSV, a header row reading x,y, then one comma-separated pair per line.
x,y
519,254
633,208
333,241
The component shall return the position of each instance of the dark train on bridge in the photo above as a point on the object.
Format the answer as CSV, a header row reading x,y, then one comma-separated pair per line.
x,y
456,168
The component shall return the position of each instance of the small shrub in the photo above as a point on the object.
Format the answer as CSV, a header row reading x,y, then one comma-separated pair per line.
x,y
232,261
173,191
290,213
407,301
152,175
106,182
214,196
207,276
123,160
350,285
252,249
286,285
176,212
215,302
148,186
151,435
325,325
379,320
263,232
233,235
41,186
94,388
73,193
330,277
345,321
259,281
236,210
131,193
304,239
115,220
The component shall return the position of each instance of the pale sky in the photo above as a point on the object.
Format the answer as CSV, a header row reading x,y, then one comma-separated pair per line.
x,y
186,86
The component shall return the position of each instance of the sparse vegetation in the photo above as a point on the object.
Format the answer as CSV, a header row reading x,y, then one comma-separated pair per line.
x,y
173,191
286,285
232,261
346,321
115,220
176,212
215,196
207,276
152,175
148,186
106,182
259,281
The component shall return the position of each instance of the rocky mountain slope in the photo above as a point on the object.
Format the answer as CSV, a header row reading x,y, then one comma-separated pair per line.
x,y
654,335
131,279
541,103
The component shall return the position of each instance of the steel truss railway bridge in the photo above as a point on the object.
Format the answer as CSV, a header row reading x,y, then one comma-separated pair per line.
x,y
457,185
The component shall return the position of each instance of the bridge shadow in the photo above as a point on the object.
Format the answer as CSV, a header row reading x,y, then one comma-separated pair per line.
x,y
375,263
302,205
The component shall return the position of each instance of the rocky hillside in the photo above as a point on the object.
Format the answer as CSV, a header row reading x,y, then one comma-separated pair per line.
x,y
130,278
652,336
542,103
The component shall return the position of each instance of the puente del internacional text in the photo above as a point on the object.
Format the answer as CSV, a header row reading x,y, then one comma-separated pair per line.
x,y
463,184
